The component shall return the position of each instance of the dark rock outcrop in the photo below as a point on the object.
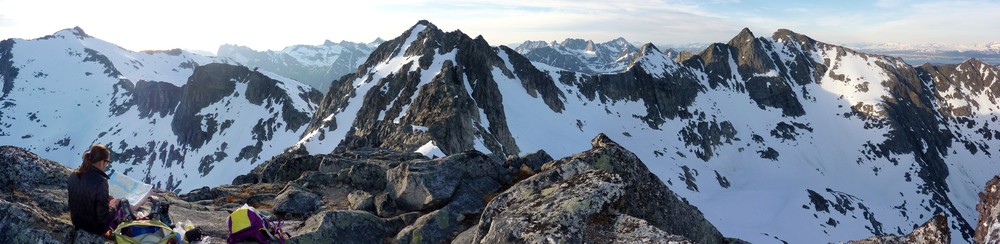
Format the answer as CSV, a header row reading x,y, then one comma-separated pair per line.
x,y
550,205
988,229
7,70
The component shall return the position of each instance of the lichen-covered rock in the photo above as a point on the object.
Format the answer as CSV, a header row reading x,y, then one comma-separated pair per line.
x,y
935,231
988,230
434,227
646,196
20,223
32,198
25,170
628,229
559,211
341,227
296,200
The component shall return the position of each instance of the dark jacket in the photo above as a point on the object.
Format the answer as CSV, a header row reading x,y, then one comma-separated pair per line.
x,y
88,201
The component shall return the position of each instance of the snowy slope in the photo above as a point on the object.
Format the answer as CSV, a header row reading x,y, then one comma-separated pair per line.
x,y
778,138
172,118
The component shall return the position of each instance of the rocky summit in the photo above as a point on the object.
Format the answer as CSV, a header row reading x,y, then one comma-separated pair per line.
x,y
377,195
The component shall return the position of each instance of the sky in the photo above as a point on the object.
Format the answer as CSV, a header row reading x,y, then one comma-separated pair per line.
x,y
273,25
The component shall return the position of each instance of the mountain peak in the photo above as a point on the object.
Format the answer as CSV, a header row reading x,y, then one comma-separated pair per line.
x,y
744,36
426,23
648,48
79,32
973,62
75,31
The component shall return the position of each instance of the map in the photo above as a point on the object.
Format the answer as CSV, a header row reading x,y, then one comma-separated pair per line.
x,y
121,186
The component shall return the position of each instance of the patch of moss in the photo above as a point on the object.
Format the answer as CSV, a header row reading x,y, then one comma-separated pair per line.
x,y
443,222
575,204
604,163
548,191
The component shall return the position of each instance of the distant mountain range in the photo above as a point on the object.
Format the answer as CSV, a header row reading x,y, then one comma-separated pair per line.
x,y
314,65
917,54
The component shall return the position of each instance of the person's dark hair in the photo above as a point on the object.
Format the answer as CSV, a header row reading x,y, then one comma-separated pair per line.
x,y
97,153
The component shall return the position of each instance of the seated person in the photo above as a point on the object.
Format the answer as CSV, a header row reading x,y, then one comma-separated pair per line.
x,y
91,208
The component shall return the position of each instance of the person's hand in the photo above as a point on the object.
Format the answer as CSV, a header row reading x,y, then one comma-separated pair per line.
x,y
114,203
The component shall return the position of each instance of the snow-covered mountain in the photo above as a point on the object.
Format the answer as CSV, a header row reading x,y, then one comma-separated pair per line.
x,y
314,65
779,138
173,118
580,55
934,53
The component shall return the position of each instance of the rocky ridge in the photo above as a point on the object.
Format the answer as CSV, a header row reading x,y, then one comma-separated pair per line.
x,y
379,195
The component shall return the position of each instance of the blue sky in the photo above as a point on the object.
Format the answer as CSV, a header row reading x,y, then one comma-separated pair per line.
x,y
204,25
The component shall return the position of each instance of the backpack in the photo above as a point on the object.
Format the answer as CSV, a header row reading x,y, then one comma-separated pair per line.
x,y
246,224
145,232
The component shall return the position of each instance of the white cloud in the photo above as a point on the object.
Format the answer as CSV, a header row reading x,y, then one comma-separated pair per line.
x,y
941,21
889,3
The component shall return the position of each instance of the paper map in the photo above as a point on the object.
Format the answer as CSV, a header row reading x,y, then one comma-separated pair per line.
x,y
121,186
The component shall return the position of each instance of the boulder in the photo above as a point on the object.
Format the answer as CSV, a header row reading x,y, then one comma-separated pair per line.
x,y
434,227
443,224
296,200
988,229
316,179
935,231
341,227
364,176
361,200
203,193
476,165
646,198
533,161
422,185
385,206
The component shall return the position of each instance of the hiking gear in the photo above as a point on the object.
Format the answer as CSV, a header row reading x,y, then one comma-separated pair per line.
x,y
123,213
193,235
246,224
145,231
88,201
160,211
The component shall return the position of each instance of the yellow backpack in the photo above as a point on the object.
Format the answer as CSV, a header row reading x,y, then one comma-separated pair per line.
x,y
145,232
